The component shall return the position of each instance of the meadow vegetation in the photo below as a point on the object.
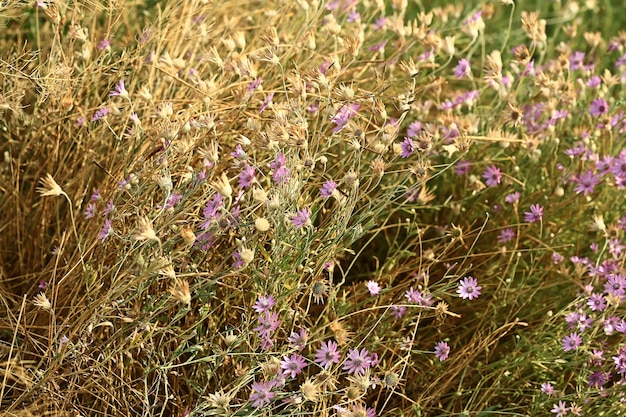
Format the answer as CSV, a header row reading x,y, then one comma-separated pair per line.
x,y
304,207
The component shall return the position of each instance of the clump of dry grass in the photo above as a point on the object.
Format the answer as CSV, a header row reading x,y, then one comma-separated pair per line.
x,y
228,189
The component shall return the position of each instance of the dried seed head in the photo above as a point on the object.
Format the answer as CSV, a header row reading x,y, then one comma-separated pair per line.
x,y
310,390
342,335
421,170
441,311
50,187
165,182
448,45
180,291
229,339
240,39
345,92
270,37
247,255
144,94
211,152
424,142
220,400
597,224
351,179
319,291
514,115
378,166
354,393
145,231
165,111
362,381
42,301
259,194
391,380
262,225
271,367
189,237
222,186
273,203
167,269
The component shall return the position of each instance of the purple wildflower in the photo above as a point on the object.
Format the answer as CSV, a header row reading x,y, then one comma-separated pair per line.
x,y
327,354
99,114
442,351
281,172
506,235
572,318
596,302
254,84
413,296
212,210
373,287
205,240
268,322
264,303
267,102
547,388
414,129
615,284
119,90
469,288
343,116
557,258
358,410
145,36
105,231
513,197
535,214
261,394
172,200
293,365
104,44
576,60
90,211
584,322
492,175
462,69
109,208
598,107
571,342
407,147
597,379
301,218
379,47
246,176
462,167
597,357
124,183
298,340
586,183
398,311
353,16
594,81
239,153
620,361
328,188
358,361
559,409
238,262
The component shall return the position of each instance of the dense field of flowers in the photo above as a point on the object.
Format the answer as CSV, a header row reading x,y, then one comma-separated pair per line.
x,y
305,207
